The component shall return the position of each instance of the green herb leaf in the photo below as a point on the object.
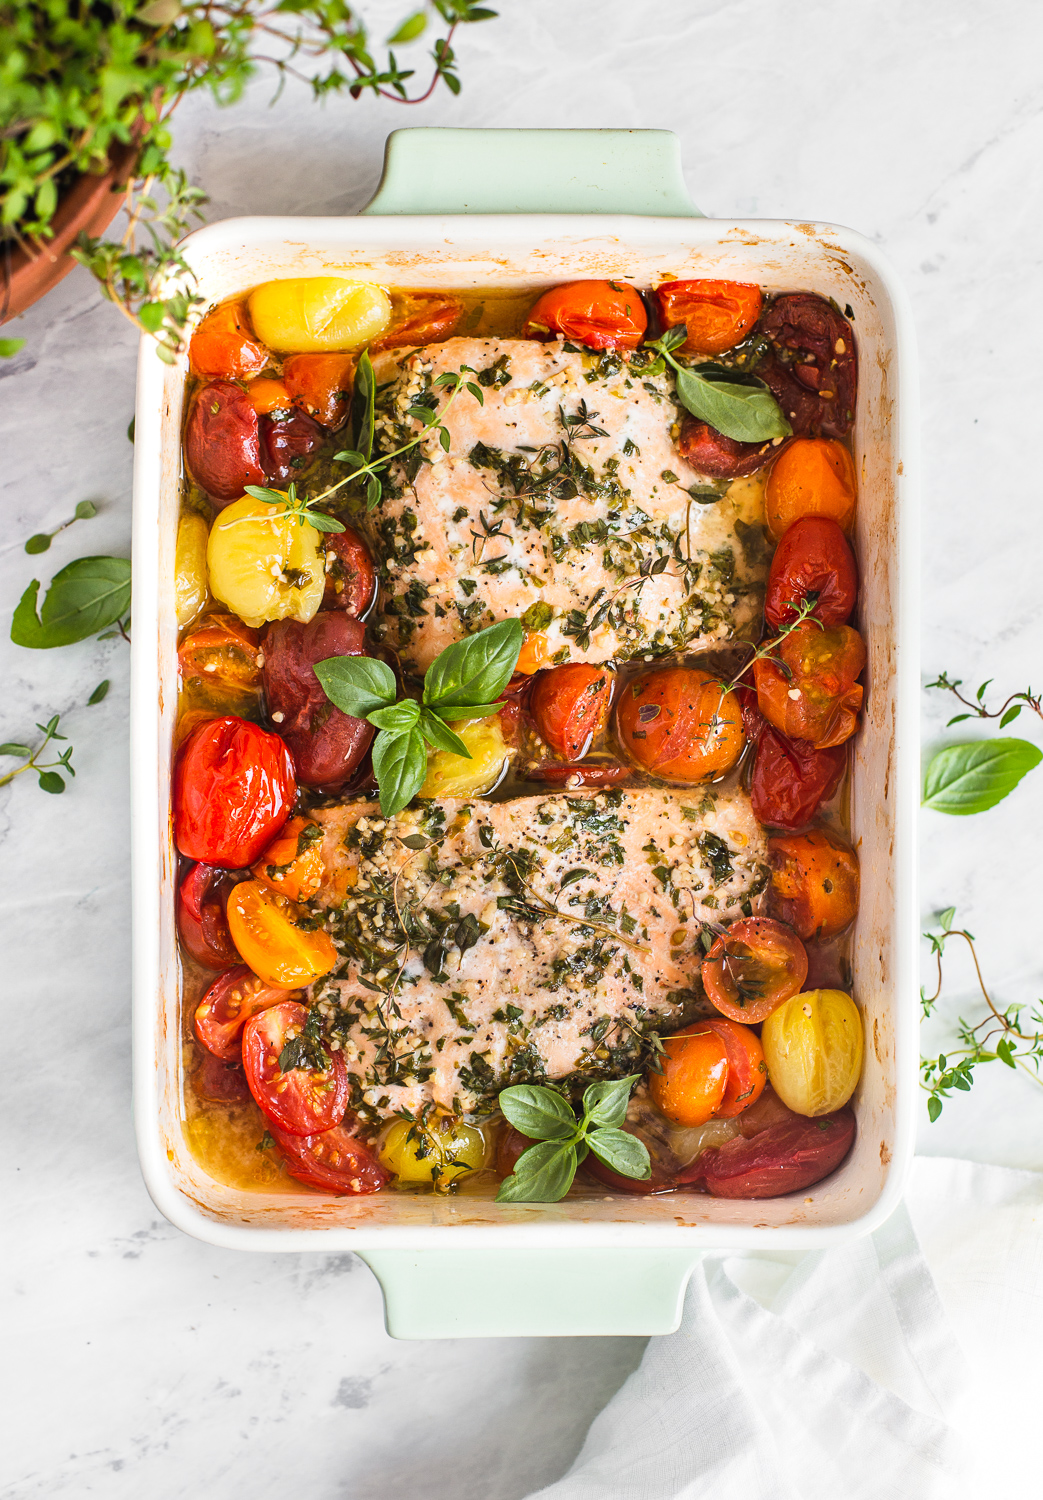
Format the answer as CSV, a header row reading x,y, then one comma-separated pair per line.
x,y
970,778
358,685
10,347
412,27
538,616
261,492
322,522
400,765
99,692
475,671
606,1103
50,781
747,413
397,718
84,597
364,407
441,736
543,1174
38,543
538,1112
622,1152
85,510
571,877
11,747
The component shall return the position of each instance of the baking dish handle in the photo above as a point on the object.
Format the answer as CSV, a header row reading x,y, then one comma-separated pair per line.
x,y
436,170
531,1293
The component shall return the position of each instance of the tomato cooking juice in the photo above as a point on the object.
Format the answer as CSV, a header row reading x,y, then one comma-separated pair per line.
x,y
518,680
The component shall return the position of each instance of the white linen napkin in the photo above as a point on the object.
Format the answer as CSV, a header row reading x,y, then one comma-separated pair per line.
x,y
843,1375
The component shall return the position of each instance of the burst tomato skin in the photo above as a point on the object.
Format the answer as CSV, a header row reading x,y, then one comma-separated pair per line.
x,y
287,442
201,917
223,442
680,724
321,384
599,314
814,556
227,1006
764,954
819,701
716,314
285,867
812,366
267,930
784,1158
691,1088
351,579
429,321
328,746
302,1101
332,1161
720,457
814,882
223,346
569,705
791,779
234,788
219,1082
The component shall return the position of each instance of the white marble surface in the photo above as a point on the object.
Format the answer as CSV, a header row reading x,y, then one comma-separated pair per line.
x,y
149,1364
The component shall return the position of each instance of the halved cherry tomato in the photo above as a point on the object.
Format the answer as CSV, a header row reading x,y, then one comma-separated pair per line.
x,y
720,457
569,705
784,1158
717,314
223,442
753,967
814,695
814,881
321,385
227,1006
233,790
810,477
219,1082
747,1070
813,557
791,779
680,724
223,346
351,580
812,366
691,1088
599,314
287,442
534,652
328,745
293,862
201,917
426,320
267,928
220,662
270,396
301,1101
333,1161
587,773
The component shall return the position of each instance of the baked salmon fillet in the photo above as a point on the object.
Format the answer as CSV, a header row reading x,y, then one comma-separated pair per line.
x,y
483,944
561,499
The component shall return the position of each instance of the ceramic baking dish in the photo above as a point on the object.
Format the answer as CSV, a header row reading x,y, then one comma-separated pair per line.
x,y
530,209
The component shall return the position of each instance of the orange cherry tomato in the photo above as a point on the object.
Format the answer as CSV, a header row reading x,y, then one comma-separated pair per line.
x,y
223,346
690,1090
814,881
267,928
717,314
533,654
227,1006
680,724
599,314
220,661
810,477
425,320
747,1070
569,705
303,1100
292,864
270,395
814,695
321,384
752,968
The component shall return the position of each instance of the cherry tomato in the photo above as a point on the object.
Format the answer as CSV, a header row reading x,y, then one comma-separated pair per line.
x,y
717,314
813,557
218,1082
234,788
784,1158
227,1006
791,779
328,745
599,314
690,1090
270,396
223,442
351,581
293,862
814,696
333,1161
509,1146
753,967
720,457
662,1180
680,724
811,477
286,445
569,705
223,346
768,1110
269,932
812,367
301,1101
747,1070
220,662
426,320
587,773
201,917
534,652
814,882
320,384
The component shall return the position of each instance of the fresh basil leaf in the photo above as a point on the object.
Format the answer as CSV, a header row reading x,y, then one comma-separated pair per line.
x,y
538,1112
349,456
606,1103
622,1152
358,685
400,765
441,736
364,406
543,1174
673,338
468,711
747,413
972,777
399,717
474,671
322,522
83,598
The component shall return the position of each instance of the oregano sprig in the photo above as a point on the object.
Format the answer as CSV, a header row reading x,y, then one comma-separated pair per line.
x,y
739,406
545,1171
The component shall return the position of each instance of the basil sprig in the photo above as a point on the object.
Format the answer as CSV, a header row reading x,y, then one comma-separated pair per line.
x,y
739,406
462,682
974,776
544,1172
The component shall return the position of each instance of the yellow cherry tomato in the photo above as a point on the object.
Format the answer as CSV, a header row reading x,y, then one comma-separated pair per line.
x,y
293,863
312,313
190,567
264,564
266,929
813,1047
438,1152
450,775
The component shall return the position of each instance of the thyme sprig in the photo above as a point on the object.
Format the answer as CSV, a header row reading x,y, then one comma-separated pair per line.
x,y
767,650
1007,712
49,773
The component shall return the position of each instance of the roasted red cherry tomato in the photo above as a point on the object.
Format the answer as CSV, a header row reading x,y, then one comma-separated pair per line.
x,y
791,779
328,745
509,1146
234,788
679,723
287,442
811,368
351,582
426,320
784,1158
218,1082
720,457
223,442
752,968
747,1070
303,1100
814,696
201,919
227,1006
717,314
813,557
333,1161
599,314
223,346
814,881
320,384
569,705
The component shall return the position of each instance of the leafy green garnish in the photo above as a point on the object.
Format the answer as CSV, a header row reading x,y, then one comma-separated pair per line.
x,y
545,1171
741,407
84,597
971,777
84,511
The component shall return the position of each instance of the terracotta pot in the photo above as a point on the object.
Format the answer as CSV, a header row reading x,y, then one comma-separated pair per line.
x,y
91,204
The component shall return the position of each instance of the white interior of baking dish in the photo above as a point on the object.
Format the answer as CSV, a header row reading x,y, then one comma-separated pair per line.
x,y
534,251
